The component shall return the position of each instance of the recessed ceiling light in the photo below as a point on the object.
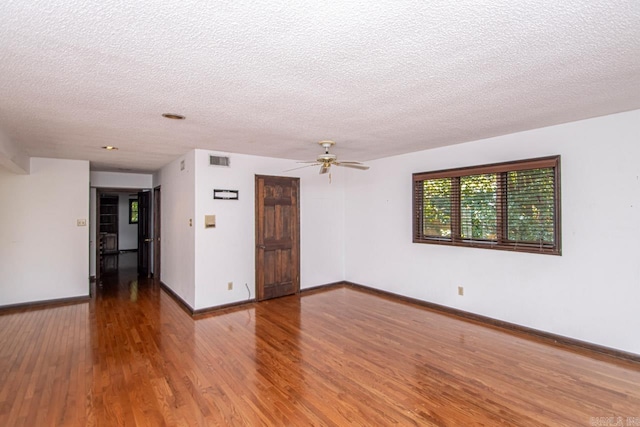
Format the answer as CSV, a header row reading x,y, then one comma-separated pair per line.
x,y
173,116
110,147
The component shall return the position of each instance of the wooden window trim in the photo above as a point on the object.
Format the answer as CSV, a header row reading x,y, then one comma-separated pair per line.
x,y
496,168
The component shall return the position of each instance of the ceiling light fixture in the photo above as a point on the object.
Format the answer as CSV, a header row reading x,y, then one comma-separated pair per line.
x,y
173,116
110,147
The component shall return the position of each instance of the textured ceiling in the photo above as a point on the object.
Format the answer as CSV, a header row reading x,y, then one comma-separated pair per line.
x,y
271,78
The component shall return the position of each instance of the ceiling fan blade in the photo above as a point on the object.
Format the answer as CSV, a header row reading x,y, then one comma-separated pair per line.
x,y
309,161
353,166
324,169
350,163
302,167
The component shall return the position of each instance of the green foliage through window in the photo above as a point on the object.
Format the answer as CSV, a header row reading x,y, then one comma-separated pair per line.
x,y
478,207
504,206
133,211
530,205
437,208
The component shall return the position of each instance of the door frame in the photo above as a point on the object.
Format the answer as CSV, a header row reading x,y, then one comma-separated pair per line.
x,y
259,246
99,192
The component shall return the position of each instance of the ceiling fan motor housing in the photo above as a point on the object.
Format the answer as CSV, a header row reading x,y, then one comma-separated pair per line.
x,y
326,158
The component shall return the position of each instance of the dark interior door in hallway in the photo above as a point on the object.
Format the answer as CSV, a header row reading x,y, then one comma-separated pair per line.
x,y
144,233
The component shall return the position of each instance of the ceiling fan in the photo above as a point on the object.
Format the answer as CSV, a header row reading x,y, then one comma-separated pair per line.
x,y
326,160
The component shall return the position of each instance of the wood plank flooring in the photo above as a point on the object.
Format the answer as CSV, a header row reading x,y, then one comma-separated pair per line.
x,y
132,357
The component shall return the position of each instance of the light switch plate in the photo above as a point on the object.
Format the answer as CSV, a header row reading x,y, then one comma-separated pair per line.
x,y
82,223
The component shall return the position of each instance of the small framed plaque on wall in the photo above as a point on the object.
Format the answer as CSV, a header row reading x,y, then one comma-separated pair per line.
x,y
225,194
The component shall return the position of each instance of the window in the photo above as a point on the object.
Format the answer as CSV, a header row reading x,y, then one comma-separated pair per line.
x,y
133,211
509,206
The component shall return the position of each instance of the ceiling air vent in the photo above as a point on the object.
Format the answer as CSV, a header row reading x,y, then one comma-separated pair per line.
x,y
219,161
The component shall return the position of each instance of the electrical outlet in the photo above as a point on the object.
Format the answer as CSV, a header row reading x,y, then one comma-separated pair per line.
x,y
229,286
82,223
460,290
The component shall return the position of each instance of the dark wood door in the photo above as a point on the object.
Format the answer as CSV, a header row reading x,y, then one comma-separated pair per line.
x,y
156,232
144,233
277,236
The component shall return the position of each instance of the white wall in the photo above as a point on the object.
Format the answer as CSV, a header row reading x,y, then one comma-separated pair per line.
x,y
178,237
121,180
590,293
197,263
127,233
322,239
43,253
226,253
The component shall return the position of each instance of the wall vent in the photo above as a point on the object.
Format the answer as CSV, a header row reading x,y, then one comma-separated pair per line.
x,y
219,161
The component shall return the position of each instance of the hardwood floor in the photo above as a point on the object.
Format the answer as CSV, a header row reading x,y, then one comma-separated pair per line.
x,y
341,357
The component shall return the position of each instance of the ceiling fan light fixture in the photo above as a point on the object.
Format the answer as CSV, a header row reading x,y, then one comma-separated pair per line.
x,y
326,158
173,116
109,148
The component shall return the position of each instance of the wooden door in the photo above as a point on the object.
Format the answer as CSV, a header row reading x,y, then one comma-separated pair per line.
x,y
156,232
144,233
277,236
98,238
